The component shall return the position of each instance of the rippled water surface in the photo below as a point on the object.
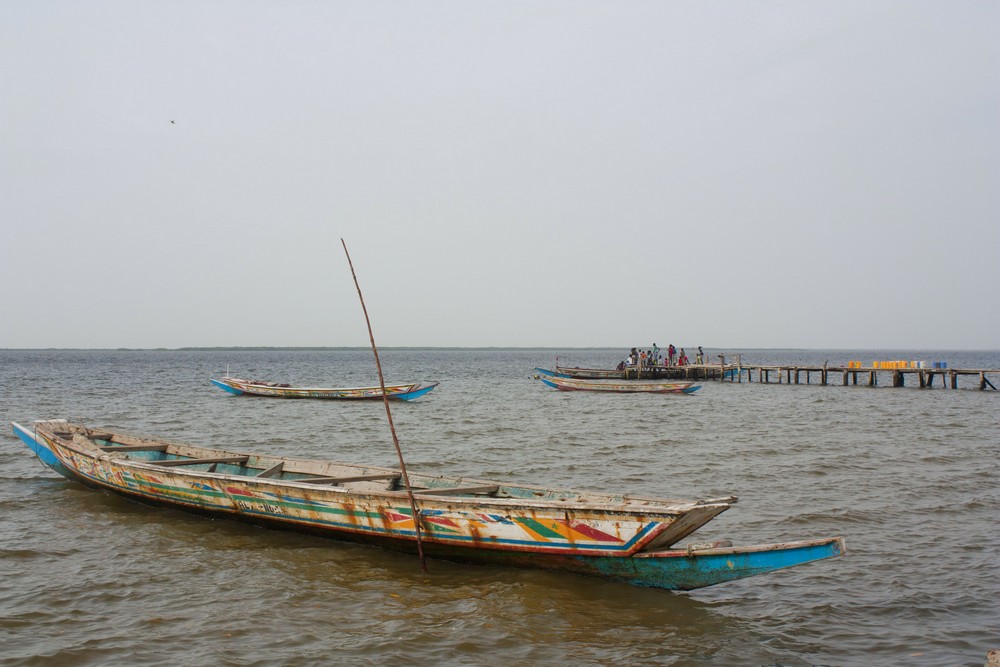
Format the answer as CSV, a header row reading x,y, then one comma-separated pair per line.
x,y
908,476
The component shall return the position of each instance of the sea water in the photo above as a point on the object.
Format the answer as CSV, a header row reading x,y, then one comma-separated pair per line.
x,y
908,476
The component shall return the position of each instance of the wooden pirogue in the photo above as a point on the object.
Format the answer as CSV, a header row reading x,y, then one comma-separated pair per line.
x,y
557,381
645,372
621,537
239,386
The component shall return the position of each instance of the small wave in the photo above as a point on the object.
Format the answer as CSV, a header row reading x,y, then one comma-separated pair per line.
x,y
31,554
844,516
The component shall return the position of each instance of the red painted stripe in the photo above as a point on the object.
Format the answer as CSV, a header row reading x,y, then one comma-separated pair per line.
x,y
591,532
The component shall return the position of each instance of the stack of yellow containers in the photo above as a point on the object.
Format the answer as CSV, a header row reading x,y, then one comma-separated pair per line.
x,y
895,365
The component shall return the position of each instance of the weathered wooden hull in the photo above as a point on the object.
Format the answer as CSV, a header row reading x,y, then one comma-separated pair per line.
x,y
591,373
620,537
617,386
646,372
403,392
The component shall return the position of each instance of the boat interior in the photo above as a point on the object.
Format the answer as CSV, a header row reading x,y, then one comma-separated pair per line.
x,y
349,477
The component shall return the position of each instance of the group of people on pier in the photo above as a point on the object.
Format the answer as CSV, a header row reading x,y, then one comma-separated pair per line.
x,y
654,357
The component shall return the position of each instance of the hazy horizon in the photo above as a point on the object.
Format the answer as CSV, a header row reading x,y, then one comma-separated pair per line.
x,y
474,347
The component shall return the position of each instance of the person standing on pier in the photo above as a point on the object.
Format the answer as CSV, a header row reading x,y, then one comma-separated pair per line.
x,y
700,357
656,355
671,351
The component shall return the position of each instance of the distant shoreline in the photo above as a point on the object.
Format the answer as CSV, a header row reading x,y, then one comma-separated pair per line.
x,y
727,350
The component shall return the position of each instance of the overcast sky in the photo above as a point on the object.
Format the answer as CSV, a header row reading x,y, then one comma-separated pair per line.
x,y
726,174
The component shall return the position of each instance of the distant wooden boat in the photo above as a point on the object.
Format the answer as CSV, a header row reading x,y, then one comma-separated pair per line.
x,y
557,381
646,372
593,373
238,386
621,537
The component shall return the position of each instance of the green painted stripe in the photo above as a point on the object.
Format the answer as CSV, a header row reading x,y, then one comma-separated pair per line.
x,y
539,528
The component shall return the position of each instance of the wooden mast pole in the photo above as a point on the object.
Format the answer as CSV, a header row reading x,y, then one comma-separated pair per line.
x,y
388,414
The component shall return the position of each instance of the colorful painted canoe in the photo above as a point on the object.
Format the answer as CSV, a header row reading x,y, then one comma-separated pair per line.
x,y
621,537
239,386
557,381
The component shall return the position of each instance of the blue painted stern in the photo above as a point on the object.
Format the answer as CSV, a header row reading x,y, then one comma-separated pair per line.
x,y
225,387
686,570
41,449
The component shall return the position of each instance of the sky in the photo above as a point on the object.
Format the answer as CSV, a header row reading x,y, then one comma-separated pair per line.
x,y
741,174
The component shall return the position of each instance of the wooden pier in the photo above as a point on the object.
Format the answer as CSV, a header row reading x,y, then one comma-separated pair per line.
x,y
854,375
825,375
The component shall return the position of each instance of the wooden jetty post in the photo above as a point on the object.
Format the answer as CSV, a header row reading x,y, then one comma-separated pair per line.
x,y
983,382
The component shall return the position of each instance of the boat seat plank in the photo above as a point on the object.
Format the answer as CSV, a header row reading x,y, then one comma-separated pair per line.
x,y
355,478
134,448
459,490
272,471
191,462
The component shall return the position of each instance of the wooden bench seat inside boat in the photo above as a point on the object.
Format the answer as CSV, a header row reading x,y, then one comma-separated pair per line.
x,y
489,490
272,471
134,448
392,477
190,462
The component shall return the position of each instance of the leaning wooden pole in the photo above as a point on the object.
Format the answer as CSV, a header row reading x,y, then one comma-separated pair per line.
x,y
388,414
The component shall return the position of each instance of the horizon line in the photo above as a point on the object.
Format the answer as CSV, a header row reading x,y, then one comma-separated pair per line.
x,y
215,348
